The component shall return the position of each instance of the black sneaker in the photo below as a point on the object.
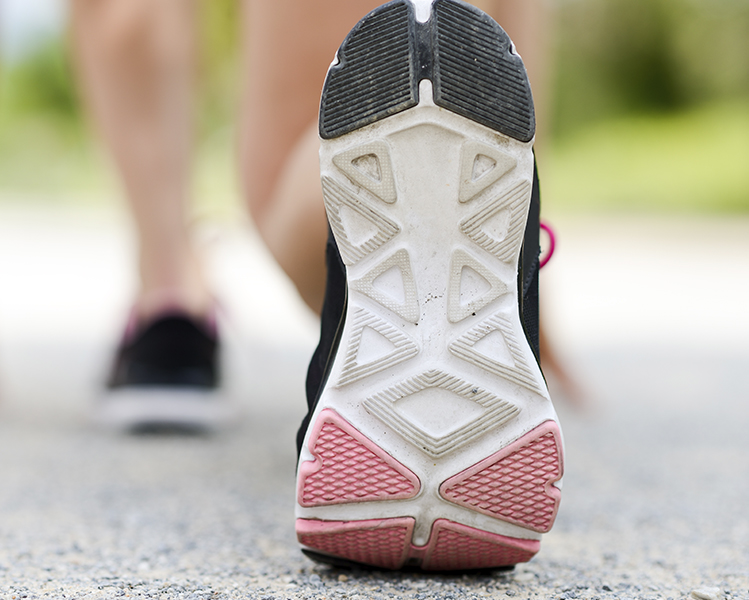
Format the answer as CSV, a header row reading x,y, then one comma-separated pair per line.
x,y
431,442
165,377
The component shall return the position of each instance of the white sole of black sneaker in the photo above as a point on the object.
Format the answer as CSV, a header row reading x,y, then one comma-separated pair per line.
x,y
158,409
434,443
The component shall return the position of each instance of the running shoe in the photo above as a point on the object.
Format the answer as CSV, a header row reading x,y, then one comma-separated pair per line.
x,y
165,377
431,442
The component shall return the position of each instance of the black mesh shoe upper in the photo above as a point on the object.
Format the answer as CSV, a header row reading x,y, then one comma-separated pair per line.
x,y
172,351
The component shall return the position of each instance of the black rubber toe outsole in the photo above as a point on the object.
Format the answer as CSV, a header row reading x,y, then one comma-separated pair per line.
x,y
467,56
342,563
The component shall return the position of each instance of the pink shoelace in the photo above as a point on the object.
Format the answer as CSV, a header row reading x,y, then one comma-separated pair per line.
x,y
552,244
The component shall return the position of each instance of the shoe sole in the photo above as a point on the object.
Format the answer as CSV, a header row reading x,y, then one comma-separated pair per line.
x,y
153,409
434,444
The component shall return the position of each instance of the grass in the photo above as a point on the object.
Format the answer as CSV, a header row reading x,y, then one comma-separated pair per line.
x,y
44,162
694,161
41,161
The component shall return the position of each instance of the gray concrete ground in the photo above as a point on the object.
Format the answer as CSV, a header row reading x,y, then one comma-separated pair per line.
x,y
650,314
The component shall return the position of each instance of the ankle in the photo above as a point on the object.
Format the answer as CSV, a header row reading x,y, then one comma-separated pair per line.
x,y
154,302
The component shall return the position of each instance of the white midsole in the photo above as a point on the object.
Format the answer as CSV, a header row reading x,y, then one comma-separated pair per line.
x,y
425,145
150,406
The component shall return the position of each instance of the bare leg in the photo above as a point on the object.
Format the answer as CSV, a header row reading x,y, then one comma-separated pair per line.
x,y
290,45
135,61
528,24
287,59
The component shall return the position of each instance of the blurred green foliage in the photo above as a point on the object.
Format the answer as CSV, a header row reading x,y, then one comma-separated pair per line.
x,y
651,106
45,149
219,64
615,57
650,109
42,85
693,160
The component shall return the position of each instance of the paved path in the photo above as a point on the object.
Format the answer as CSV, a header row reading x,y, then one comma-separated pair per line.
x,y
652,318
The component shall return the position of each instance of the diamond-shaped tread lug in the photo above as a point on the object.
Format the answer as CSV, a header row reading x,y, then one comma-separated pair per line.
x,y
496,412
515,484
369,166
349,467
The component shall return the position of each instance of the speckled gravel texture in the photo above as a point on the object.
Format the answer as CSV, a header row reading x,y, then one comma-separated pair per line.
x,y
654,503
656,492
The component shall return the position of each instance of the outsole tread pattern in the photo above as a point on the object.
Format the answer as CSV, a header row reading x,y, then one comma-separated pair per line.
x,y
515,484
463,303
374,78
381,543
493,411
459,547
477,76
355,367
468,57
473,183
497,235
398,293
385,543
516,369
353,248
377,174
449,436
350,468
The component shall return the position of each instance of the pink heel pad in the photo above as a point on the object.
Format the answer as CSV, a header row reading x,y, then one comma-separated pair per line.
x,y
515,484
453,546
348,467
386,543
378,542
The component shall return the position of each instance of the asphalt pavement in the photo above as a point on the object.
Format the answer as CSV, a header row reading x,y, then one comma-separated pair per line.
x,y
648,313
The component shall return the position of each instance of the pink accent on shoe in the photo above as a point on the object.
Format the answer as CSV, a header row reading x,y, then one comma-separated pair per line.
x,y
131,327
134,324
379,542
552,245
348,467
386,543
453,546
515,484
